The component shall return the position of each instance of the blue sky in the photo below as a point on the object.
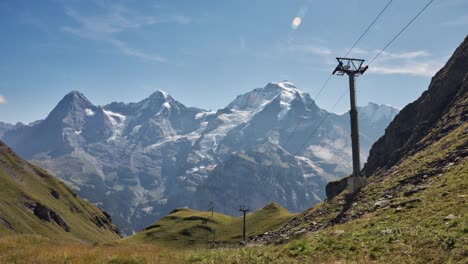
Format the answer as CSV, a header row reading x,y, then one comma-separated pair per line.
x,y
204,53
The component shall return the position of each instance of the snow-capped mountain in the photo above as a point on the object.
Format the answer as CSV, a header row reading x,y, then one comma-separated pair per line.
x,y
138,161
158,116
73,122
373,119
375,112
266,173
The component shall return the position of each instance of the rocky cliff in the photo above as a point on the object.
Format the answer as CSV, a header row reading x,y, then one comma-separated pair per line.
x,y
438,110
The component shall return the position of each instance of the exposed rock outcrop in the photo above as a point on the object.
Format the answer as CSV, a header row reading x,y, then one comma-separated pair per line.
x,y
406,133
46,214
334,188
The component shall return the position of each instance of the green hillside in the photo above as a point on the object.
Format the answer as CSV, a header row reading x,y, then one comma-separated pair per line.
x,y
185,226
415,212
35,202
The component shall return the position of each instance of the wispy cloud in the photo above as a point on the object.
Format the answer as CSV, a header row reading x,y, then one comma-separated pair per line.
x,y
125,49
310,49
306,51
404,55
357,51
427,68
303,50
116,19
412,62
416,63
3,100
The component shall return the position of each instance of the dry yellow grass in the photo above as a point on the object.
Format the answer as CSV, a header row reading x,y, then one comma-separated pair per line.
x,y
36,249
39,250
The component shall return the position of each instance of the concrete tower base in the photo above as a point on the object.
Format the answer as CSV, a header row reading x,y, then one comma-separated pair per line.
x,y
356,183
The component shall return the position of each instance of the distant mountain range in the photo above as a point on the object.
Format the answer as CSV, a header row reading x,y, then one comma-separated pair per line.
x,y
138,161
4,127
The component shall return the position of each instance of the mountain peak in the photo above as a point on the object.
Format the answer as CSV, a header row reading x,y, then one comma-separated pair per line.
x,y
75,95
156,102
72,103
159,94
256,98
286,85
375,105
376,112
76,98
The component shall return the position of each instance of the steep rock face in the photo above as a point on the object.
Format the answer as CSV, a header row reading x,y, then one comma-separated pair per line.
x,y
138,161
71,122
406,132
156,117
34,202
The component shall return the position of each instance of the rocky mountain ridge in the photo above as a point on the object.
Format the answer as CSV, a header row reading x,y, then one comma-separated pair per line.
x,y
141,160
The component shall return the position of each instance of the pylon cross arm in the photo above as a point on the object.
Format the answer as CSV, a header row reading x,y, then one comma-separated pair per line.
x,y
349,66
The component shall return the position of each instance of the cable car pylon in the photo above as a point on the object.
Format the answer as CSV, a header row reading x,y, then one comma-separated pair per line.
x,y
353,67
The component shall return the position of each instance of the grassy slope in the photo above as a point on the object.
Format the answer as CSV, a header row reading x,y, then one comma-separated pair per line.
x,y
185,227
418,233
22,183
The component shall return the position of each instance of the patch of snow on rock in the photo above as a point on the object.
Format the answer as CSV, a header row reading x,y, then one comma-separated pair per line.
x,y
135,130
164,106
148,209
89,112
118,123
